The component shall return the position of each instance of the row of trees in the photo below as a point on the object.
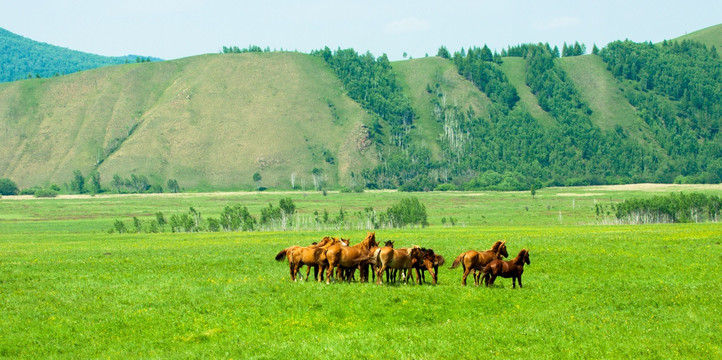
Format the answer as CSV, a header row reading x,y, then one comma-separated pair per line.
x,y
673,208
407,212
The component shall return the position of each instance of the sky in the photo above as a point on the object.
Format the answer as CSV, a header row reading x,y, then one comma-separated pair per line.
x,y
171,29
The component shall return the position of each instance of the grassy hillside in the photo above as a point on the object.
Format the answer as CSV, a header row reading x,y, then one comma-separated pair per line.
x,y
515,71
710,36
442,78
212,121
208,121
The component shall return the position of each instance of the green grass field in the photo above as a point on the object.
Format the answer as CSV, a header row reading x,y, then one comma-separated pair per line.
x,y
70,290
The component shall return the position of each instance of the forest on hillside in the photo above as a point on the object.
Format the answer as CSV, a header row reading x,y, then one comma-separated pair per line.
x,y
674,87
22,58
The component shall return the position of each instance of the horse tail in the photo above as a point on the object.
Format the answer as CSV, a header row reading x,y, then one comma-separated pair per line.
x,y
457,261
375,257
281,255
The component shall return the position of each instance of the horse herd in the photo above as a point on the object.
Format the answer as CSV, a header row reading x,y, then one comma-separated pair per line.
x,y
368,257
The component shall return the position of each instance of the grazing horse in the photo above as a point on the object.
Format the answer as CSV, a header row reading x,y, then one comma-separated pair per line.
x,y
339,257
431,259
507,269
474,260
311,256
390,258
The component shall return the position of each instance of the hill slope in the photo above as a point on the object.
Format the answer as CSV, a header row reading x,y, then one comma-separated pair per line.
x,y
208,121
710,36
21,58
635,113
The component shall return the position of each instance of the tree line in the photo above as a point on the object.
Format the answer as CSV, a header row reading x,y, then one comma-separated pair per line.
x,y
407,212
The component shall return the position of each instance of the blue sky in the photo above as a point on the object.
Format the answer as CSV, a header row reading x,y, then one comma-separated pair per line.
x,y
172,29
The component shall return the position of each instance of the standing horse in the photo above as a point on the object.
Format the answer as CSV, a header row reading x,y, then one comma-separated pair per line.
x,y
432,260
311,256
507,269
286,253
474,260
371,263
401,259
348,256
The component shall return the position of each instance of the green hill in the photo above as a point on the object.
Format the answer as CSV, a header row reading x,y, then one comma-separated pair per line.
x,y
209,121
21,58
710,36
475,120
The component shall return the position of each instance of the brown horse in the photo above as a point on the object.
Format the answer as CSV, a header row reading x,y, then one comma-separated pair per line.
x,y
286,253
507,269
311,256
474,260
402,259
339,257
371,263
432,260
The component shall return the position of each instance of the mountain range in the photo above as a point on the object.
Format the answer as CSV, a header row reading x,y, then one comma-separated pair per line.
x,y
531,115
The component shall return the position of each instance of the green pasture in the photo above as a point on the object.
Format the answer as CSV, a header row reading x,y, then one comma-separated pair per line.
x,y
68,289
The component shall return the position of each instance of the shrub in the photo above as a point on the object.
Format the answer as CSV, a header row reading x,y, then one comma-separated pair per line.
x,y
8,187
45,193
408,211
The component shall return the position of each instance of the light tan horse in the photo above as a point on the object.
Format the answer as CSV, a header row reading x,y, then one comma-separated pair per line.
x,y
474,260
311,256
286,253
348,256
402,259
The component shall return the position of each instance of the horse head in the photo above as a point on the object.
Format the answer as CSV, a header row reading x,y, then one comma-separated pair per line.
x,y
345,242
389,243
370,240
526,257
499,249
417,252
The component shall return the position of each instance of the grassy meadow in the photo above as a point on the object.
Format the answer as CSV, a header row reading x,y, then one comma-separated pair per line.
x,y
68,289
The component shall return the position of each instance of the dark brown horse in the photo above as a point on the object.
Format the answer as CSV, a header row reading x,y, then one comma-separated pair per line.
x,y
507,269
432,260
339,257
474,260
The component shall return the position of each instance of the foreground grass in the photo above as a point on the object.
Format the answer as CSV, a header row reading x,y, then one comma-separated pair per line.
x,y
590,291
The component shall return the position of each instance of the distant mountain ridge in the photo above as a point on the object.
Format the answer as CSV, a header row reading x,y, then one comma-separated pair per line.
x,y
632,112
21,58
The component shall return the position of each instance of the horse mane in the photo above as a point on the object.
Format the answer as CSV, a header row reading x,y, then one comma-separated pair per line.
x,y
519,259
496,246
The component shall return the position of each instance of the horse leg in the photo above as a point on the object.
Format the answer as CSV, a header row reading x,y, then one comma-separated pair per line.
x,y
380,275
308,271
519,281
296,267
290,269
418,276
466,274
329,273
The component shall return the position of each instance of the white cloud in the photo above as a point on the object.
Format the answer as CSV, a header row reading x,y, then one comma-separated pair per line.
x,y
406,25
